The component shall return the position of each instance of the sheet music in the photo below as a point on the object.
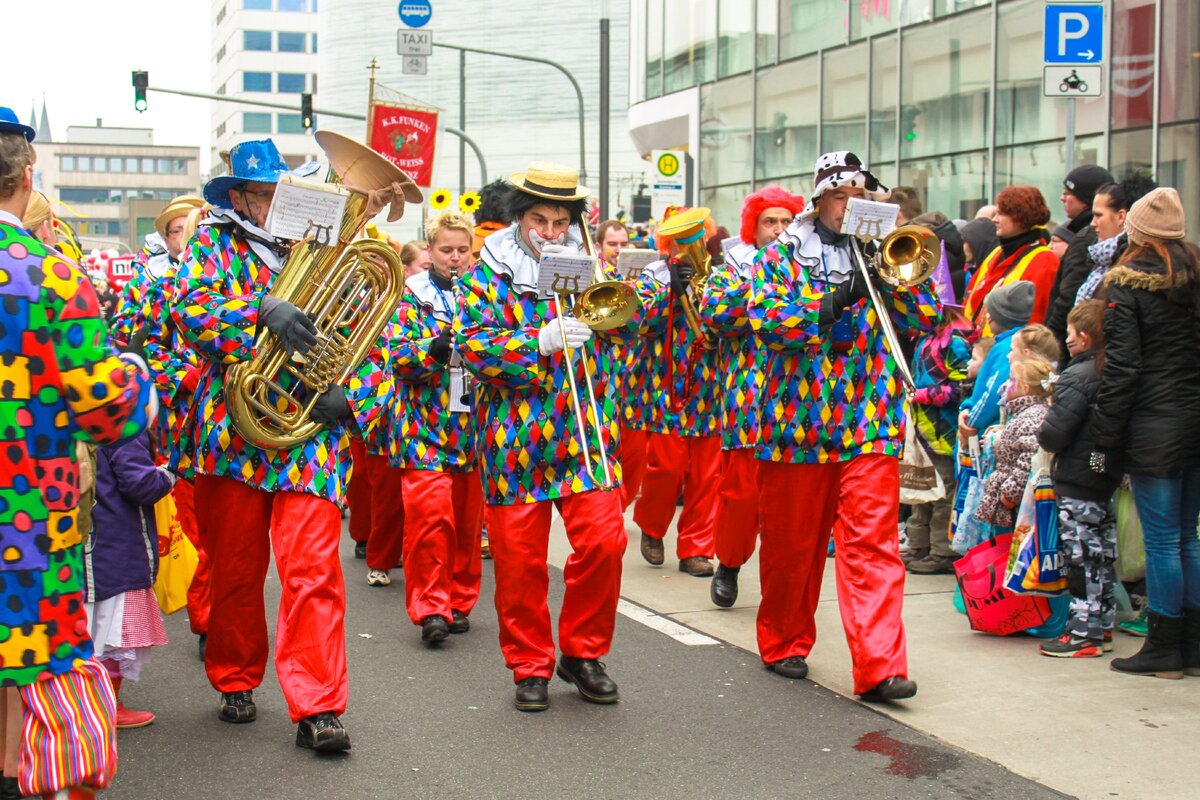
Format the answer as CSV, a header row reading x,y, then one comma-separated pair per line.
x,y
306,208
633,260
869,218
565,273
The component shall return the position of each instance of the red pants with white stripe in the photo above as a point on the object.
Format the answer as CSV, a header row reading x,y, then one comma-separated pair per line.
x,y
199,596
858,500
241,525
385,539
519,536
633,462
442,566
687,464
735,525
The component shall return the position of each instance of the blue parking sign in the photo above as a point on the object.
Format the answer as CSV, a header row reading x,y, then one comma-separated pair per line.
x,y
1074,33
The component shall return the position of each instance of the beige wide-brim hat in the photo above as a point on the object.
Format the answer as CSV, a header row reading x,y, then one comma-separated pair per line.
x,y
551,181
179,207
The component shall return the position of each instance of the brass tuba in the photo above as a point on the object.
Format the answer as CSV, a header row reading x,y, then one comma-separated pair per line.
x,y
686,230
350,289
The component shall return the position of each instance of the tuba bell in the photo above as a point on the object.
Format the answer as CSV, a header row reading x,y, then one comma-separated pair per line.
x,y
908,255
350,289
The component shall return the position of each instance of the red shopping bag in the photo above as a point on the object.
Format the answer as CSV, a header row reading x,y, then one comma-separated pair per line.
x,y
990,607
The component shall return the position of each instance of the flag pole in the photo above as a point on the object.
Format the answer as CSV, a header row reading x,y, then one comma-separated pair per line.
x,y
374,65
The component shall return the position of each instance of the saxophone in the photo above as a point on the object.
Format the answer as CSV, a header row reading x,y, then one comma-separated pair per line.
x,y
350,289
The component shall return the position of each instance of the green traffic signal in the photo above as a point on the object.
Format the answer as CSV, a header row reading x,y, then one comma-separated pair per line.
x,y
141,81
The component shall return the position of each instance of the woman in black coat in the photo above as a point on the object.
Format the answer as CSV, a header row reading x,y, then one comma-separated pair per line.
x,y
1147,416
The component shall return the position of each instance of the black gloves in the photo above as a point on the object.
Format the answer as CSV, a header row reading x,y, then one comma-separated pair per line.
x,y
331,406
440,347
841,297
682,272
295,331
137,342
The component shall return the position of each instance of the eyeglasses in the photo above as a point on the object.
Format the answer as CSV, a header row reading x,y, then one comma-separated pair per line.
x,y
258,194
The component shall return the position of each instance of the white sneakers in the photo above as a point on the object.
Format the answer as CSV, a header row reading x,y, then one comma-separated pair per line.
x,y
378,577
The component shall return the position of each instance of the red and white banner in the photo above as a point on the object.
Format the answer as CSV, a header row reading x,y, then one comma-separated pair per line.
x,y
406,137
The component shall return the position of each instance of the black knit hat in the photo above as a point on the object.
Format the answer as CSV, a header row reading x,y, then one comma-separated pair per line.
x,y
1083,181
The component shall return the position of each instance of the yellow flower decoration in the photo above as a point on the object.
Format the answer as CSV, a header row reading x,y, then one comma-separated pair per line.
x,y
440,199
469,203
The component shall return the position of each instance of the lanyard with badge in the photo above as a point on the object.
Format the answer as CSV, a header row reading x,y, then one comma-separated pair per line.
x,y
460,384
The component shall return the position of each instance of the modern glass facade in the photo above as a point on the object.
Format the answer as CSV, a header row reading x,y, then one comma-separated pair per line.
x,y
943,95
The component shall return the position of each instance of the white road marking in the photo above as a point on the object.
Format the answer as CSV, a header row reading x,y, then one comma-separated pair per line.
x,y
679,633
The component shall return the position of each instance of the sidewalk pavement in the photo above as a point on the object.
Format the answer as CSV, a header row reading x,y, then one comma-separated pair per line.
x,y
1072,724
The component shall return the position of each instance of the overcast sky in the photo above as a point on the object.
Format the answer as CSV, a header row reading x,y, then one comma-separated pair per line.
x,y
79,54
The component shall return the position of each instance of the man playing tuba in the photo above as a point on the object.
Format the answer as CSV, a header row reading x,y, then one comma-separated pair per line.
x,y
832,428
250,499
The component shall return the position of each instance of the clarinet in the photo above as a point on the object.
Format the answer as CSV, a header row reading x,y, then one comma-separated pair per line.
x,y
468,381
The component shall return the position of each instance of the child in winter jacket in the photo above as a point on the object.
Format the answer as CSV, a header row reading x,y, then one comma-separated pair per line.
x,y
1027,404
121,562
1087,523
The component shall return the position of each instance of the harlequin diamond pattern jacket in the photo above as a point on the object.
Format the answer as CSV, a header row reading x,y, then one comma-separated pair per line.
x,y
60,382
216,309
824,401
740,357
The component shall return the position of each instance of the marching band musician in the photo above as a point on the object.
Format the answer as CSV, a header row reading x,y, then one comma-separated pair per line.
x,y
765,215
684,445
435,442
831,433
250,500
512,339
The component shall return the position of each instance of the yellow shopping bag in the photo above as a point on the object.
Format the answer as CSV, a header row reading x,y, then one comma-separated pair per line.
x,y
177,558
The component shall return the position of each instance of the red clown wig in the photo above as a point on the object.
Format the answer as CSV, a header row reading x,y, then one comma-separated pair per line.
x,y
773,196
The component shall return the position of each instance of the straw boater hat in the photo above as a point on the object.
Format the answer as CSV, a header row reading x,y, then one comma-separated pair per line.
x,y
178,207
551,181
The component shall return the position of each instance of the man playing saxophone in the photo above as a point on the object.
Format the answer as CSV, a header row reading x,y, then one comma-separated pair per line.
x,y
250,500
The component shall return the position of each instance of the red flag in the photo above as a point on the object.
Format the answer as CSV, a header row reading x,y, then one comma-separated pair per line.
x,y
406,137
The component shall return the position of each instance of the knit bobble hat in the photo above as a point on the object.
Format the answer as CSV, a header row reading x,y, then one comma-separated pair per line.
x,y
1157,215
1010,306
1084,180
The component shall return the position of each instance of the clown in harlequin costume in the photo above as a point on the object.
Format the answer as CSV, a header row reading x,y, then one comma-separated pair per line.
x,y
832,428
251,500
435,442
765,214
683,413
512,340
60,383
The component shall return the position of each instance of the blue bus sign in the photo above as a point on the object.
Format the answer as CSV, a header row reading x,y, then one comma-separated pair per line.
x,y
1074,34
415,13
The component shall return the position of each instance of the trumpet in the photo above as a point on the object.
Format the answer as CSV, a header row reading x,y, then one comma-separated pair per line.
x,y
686,230
906,257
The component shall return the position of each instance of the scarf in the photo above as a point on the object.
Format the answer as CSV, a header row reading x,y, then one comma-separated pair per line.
x,y
1101,255
1012,244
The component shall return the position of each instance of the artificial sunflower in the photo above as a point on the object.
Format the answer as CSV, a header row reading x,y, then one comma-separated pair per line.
x,y
440,199
469,203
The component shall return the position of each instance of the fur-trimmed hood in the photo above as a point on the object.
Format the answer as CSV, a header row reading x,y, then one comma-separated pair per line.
x,y
1132,278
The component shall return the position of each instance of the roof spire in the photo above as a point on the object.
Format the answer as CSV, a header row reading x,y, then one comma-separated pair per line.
x,y
43,128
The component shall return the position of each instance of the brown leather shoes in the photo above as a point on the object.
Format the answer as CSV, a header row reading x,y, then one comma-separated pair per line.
x,y
652,550
696,566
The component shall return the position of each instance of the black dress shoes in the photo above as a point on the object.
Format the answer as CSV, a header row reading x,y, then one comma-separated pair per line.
x,y
791,667
434,629
724,589
238,707
460,623
895,688
652,550
532,695
589,678
322,732
360,550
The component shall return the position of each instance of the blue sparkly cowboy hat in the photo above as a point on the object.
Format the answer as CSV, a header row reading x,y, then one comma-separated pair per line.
x,y
10,124
257,160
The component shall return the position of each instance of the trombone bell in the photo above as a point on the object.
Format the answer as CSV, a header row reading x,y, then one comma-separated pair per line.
x,y
908,255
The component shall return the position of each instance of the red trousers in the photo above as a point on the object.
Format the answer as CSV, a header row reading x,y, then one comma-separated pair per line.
x,y
240,525
633,462
358,493
687,464
735,525
385,539
199,597
443,513
519,536
859,501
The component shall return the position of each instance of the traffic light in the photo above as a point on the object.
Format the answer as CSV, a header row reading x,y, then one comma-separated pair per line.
x,y
141,80
306,112
908,122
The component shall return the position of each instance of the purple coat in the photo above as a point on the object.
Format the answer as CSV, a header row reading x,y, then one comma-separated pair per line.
x,y
122,552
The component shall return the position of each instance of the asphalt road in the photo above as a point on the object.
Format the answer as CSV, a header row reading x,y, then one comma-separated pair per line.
x,y
693,722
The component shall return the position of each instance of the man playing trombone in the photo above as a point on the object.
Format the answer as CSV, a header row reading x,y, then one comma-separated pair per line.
x,y
832,430
540,430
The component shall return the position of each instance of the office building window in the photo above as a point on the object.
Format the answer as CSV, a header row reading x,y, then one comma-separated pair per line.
x,y
100,164
654,48
257,5
83,163
290,123
256,81
66,163
293,5
131,165
787,119
221,53
767,46
71,194
735,39
844,116
256,40
314,43
221,15
806,26
253,122
221,130
291,82
690,43
291,42
727,110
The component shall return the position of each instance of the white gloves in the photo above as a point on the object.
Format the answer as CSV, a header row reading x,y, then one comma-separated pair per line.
x,y
550,338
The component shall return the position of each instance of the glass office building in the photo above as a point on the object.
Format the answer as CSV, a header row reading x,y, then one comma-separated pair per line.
x,y
943,95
